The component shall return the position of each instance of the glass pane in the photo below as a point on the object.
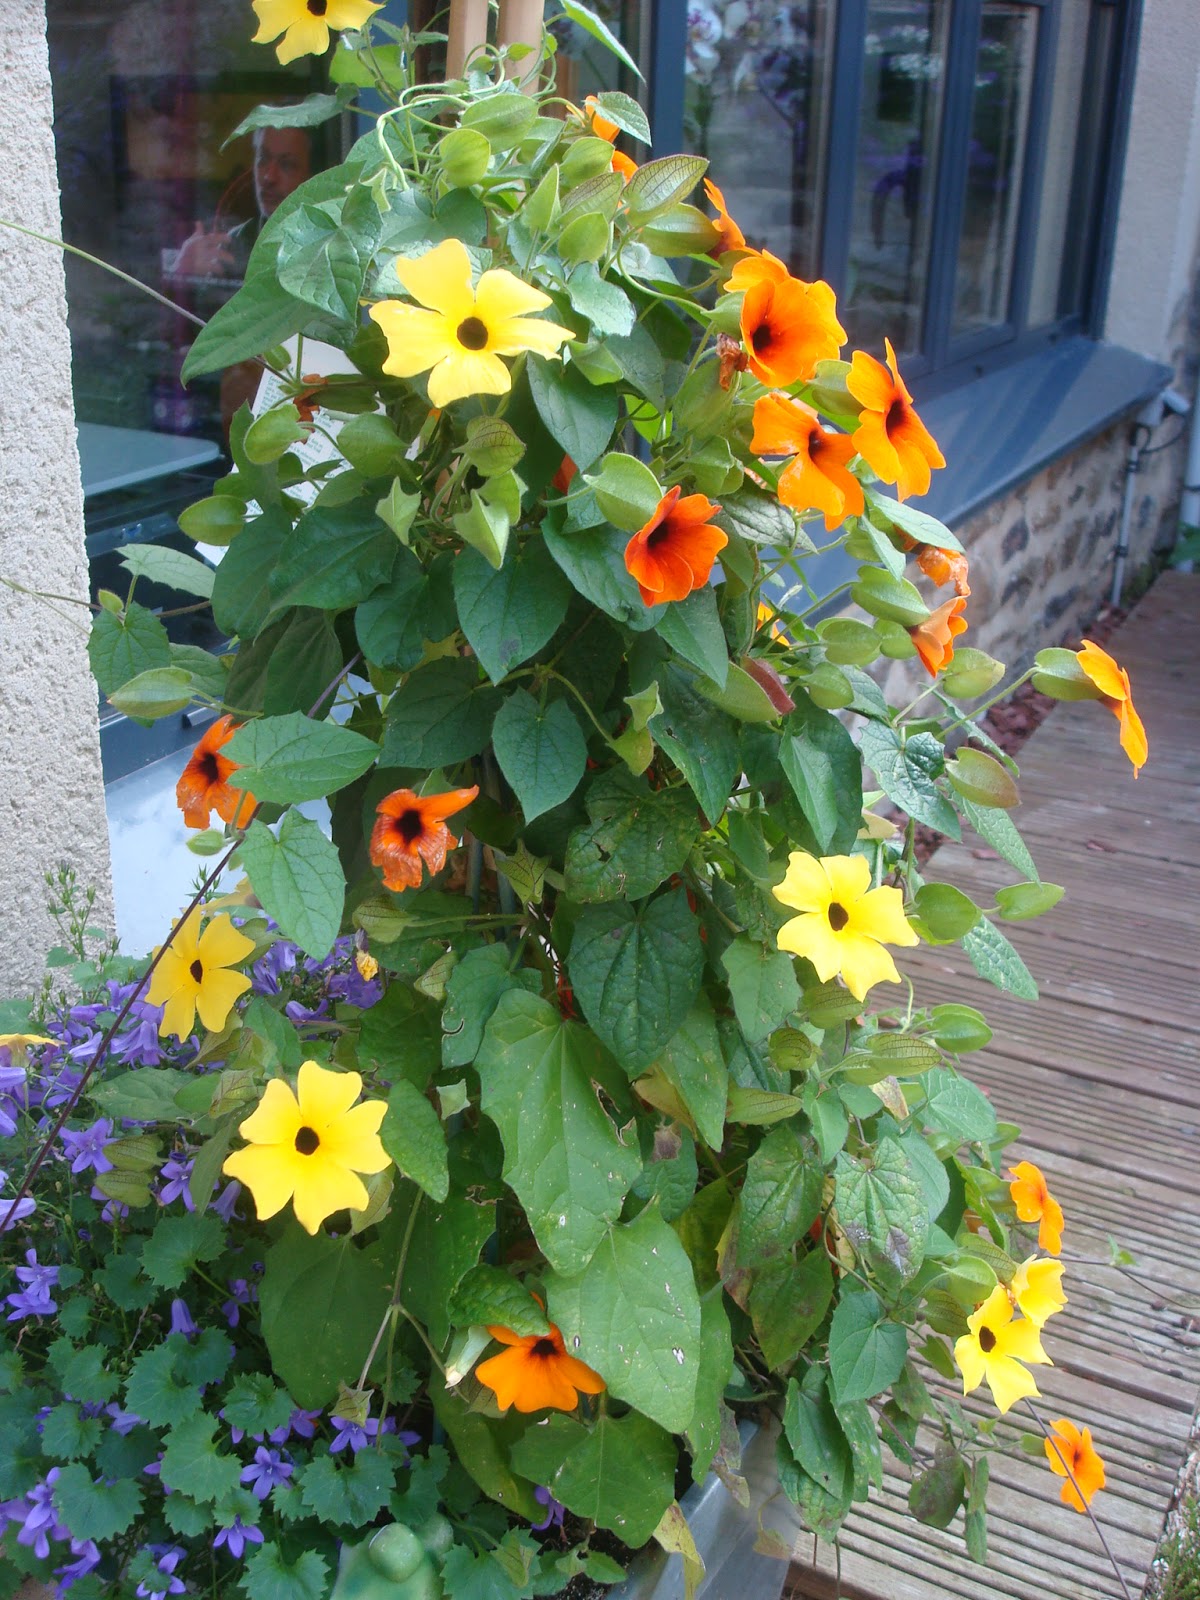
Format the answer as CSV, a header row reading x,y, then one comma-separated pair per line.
x,y
895,171
995,163
145,95
756,98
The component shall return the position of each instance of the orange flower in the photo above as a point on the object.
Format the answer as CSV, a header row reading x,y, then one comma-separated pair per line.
x,y
624,164
673,554
934,638
732,237
1071,1448
202,786
944,566
788,326
562,478
758,266
818,477
1113,683
890,435
595,119
536,1373
1035,1203
411,829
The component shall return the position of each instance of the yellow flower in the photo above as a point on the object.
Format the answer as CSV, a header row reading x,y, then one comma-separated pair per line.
x,y
193,976
1036,1289
309,1147
305,24
995,1348
18,1044
461,332
845,923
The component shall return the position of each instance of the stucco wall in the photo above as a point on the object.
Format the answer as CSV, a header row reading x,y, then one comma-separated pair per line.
x,y
51,794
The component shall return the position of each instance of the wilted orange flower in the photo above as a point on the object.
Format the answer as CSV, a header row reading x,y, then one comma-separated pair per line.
x,y
202,786
1072,1448
673,554
818,477
934,638
732,237
890,435
305,402
788,326
536,1373
944,566
411,829
1113,683
1035,1203
731,358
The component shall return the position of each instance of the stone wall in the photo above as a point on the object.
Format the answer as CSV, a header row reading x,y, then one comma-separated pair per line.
x,y
51,791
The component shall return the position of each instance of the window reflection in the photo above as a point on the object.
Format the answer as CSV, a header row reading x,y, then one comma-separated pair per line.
x,y
995,163
895,172
756,107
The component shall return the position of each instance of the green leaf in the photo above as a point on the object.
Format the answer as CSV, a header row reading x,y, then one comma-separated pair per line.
x,y
562,1156
509,615
490,1295
626,491
323,261
606,305
881,1209
692,628
446,1242
192,1464
693,1064
153,1389
815,1433
119,648
781,1196
762,986
68,1435
918,524
944,912
178,1245
159,563
621,1475
146,1094
995,958
255,1403
336,556
241,596
578,416
701,741
482,1446
633,1314
400,1034
594,561
591,23
716,1368
822,764
413,1136
788,1302
84,1373
997,828
414,605
297,879
937,1493
762,520
472,992
440,715
267,1576
637,838
95,1509
659,184
322,1300
954,1105
866,1353
636,972
479,1577
308,113
905,771
293,758
541,750
1018,902
350,1494
628,115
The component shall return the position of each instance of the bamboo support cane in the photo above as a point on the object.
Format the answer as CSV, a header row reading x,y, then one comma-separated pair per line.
x,y
521,23
467,30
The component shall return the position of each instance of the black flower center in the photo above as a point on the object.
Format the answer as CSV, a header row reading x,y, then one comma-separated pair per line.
x,y
318,7
544,1347
987,1341
897,412
197,970
656,536
307,1141
761,338
838,916
410,825
472,333
209,770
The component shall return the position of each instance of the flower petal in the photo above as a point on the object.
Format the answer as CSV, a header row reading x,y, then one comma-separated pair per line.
x,y
276,1118
323,1096
806,885
323,1186
223,945
500,295
417,340
1009,1382
218,993
440,279
811,937
863,963
849,878
269,1174
879,914
463,374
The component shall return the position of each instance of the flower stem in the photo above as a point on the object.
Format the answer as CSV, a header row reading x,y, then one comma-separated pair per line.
x,y
1091,1516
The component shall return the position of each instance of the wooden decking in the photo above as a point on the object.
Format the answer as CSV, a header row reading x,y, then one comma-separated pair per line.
x,y
1103,1076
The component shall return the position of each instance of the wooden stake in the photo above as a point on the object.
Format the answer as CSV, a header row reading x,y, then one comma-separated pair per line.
x,y
467,30
521,23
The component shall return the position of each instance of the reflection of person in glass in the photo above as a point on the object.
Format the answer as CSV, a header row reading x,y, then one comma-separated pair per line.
x,y
282,161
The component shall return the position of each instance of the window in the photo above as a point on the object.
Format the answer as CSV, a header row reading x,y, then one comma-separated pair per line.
x,y
941,162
